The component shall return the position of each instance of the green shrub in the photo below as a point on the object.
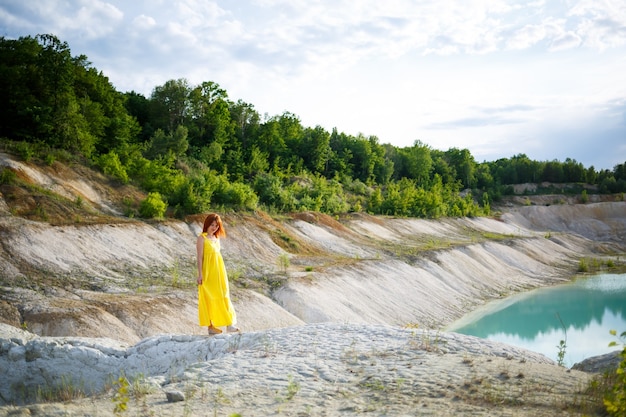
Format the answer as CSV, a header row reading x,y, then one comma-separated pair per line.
x,y
283,262
241,196
584,198
615,399
153,207
7,176
25,150
50,158
111,165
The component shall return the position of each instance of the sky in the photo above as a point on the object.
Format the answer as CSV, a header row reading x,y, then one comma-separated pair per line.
x,y
544,78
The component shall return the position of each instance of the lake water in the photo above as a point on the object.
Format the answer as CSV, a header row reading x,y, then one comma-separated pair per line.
x,y
584,310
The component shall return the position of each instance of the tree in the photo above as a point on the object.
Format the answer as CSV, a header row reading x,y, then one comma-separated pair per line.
x,y
138,106
103,108
591,175
464,166
271,142
364,157
210,118
484,179
170,104
163,144
38,87
315,149
246,122
524,169
573,171
553,172
340,158
442,168
258,162
619,171
280,138
416,162
291,131
23,116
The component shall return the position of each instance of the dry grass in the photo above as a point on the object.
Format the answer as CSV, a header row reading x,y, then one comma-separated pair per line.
x,y
33,201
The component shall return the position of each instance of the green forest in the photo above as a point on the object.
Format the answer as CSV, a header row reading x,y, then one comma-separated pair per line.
x,y
192,149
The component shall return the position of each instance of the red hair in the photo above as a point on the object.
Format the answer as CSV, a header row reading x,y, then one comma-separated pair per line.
x,y
220,232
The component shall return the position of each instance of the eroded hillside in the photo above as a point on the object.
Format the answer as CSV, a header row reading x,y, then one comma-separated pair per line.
x,y
73,264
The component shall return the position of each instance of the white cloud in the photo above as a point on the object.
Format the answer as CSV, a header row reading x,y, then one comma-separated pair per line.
x,y
602,23
565,41
143,22
90,19
526,37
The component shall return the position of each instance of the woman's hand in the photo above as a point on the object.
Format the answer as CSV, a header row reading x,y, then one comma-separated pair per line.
x,y
199,280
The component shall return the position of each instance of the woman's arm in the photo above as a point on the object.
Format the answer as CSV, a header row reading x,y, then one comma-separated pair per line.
x,y
200,252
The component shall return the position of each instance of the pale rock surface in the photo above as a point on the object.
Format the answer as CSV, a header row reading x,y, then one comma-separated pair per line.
x,y
317,369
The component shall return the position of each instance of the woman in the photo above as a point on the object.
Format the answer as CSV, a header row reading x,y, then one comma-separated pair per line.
x,y
214,306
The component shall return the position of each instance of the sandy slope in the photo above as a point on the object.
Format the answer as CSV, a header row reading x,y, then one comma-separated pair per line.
x,y
114,274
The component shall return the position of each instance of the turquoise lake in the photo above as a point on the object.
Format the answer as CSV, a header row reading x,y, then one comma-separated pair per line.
x,y
587,307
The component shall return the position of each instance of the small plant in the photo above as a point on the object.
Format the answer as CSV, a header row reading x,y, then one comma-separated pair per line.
x,y
292,388
25,150
221,397
583,266
40,211
615,399
141,387
584,198
120,398
7,176
66,390
561,354
176,280
129,211
283,262
426,342
562,344
50,158
235,274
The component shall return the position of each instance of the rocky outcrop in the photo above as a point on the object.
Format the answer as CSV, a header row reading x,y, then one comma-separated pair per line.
x,y
601,363
167,360
600,222
90,363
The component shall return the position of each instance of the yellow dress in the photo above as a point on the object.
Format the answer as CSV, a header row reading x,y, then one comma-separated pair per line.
x,y
214,304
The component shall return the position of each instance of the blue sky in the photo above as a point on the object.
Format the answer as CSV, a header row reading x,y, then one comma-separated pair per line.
x,y
546,78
